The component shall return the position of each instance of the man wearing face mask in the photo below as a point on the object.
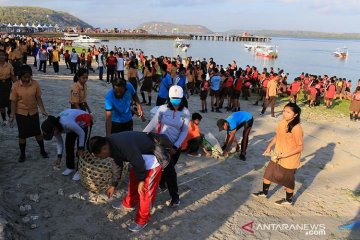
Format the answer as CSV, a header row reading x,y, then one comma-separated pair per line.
x,y
118,107
172,120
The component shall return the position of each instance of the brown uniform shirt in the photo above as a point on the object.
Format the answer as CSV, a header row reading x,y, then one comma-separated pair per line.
x,y
16,54
25,97
272,88
6,72
287,142
78,93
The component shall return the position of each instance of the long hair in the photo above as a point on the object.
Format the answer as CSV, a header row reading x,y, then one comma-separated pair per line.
x,y
79,73
297,110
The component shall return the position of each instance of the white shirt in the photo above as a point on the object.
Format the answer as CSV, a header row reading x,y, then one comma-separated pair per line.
x,y
150,161
99,60
120,64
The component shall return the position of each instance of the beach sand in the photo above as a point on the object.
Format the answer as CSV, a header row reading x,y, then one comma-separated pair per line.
x,y
215,196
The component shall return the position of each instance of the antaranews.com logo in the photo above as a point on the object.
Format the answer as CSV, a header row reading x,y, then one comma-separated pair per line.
x,y
308,228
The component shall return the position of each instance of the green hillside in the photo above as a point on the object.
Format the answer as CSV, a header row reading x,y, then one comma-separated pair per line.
x,y
39,15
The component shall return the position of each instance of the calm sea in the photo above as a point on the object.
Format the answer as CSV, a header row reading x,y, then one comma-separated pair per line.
x,y
296,55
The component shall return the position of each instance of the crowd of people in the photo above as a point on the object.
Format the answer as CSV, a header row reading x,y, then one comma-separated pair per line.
x,y
154,152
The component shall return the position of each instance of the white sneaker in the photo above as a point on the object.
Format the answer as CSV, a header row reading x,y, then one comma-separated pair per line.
x,y
76,176
67,172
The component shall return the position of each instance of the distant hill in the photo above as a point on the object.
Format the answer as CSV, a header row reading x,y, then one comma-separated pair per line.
x,y
166,27
39,15
297,34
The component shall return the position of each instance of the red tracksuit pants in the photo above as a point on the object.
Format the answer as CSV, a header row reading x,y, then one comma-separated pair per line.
x,y
146,200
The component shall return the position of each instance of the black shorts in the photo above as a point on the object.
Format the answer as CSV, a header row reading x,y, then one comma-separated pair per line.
x,y
203,95
121,127
214,93
160,101
28,126
235,94
5,89
246,124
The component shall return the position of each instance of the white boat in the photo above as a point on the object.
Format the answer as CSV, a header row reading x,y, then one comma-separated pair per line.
x,y
341,52
268,51
71,36
86,39
179,43
252,46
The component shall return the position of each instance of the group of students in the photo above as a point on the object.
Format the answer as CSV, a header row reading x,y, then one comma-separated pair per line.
x,y
153,153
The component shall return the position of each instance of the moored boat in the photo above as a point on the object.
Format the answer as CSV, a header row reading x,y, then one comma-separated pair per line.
x,y
341,52
267,51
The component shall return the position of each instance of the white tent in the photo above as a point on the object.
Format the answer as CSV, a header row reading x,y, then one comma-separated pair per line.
x,y
9,25
15,25
21,25
27,25
39,26
33,25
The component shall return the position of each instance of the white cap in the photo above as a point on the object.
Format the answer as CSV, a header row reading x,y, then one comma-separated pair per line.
x,y
176,92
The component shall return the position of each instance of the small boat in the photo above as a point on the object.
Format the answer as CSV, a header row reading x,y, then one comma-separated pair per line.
x,y
267,51
179,43
86,39
341,52
252,46
71,36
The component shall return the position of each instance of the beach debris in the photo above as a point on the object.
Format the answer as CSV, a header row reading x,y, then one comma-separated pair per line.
x,y
34,197
77,196
34,225
34,217
273,155
60,192
46,214
24,209
26,219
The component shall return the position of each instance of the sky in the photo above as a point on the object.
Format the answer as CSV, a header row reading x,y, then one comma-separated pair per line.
x,y
341,16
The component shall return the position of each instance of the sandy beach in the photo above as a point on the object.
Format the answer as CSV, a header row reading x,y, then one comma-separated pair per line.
x,y
216,199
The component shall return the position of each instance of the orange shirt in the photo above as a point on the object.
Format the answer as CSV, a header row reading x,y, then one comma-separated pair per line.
x,y
78,93
6,71
287,142
193,132
25,97
272,88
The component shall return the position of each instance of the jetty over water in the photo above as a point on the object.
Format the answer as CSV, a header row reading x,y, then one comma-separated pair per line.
x,y
231,38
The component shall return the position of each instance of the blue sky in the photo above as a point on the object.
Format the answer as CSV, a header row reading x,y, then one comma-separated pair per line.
x,y
220,15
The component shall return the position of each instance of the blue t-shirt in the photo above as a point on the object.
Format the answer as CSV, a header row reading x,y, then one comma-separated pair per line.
x,y
215,82
120,107
237,118
182,83
165,85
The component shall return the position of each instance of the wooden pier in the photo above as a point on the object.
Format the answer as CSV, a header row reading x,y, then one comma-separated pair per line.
x,y
230,38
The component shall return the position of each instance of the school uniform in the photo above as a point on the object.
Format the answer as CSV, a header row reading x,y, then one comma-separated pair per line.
x,y
27,116
6,73
282,171
272,91
78,95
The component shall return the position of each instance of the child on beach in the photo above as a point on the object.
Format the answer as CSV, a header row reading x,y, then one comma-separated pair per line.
x,y
288,141
25,99
204,89
311,95
194,138
355,105
330,93
78,93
